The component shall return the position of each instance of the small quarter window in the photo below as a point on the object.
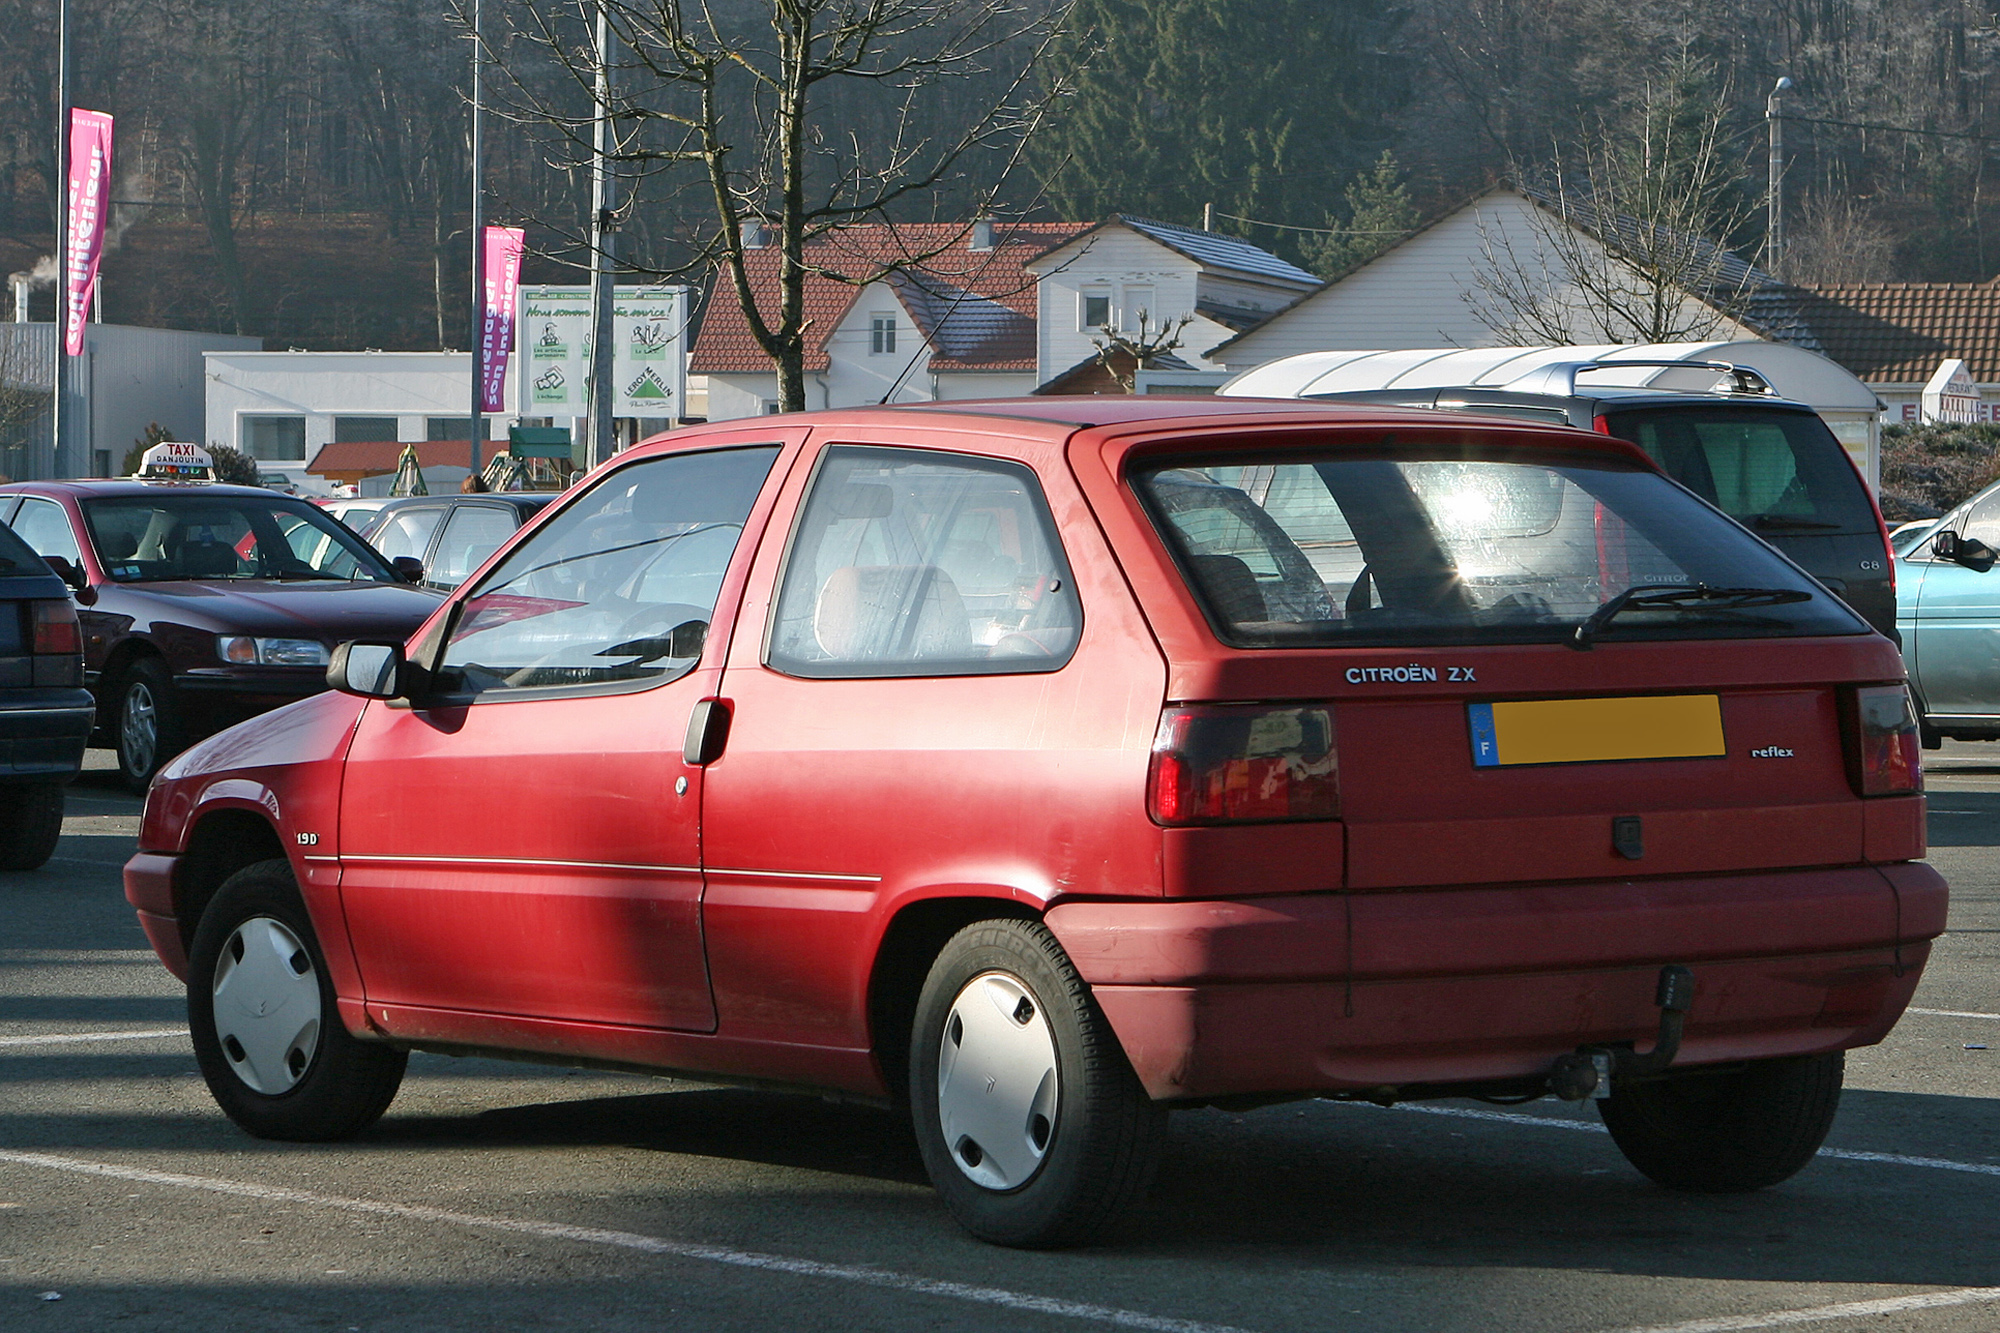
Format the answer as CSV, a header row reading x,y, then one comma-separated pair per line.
x,y
910,563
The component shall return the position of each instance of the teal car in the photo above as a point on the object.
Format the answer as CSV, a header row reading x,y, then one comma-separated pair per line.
x,y
1948,609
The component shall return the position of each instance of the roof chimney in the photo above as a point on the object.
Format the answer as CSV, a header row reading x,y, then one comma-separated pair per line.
x,y
982,234
23,283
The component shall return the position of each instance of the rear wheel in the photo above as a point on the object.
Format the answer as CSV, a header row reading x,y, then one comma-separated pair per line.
x,y
1723,1133
1032,1125
30,822
261,1013
149,723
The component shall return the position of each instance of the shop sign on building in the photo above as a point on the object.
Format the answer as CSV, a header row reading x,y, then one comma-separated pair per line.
x,y
1951,395
649,365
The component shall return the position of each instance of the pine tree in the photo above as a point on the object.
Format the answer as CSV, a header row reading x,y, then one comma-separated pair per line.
x,y
1379,215
1254,106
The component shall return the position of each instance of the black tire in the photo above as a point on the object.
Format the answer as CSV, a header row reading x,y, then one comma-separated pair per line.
x,y
31,816
1742,1129
337,1087
149,727
1099,1150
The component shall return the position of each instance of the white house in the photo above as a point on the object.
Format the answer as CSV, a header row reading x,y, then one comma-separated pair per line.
x,y
1424,291
282,408
958,324
1126,267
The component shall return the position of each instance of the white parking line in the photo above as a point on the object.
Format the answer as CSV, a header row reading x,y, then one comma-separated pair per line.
x,y
1950,1013
65,1038
1590,1127
1024,1302
1929,1300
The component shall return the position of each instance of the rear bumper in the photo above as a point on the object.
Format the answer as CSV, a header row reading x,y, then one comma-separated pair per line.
x,y
42,734
1348,992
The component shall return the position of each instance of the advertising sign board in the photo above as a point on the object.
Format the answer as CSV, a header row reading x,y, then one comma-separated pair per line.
x,y
649,367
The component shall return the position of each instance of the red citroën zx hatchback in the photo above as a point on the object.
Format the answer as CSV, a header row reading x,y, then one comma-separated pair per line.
x,y
1050,764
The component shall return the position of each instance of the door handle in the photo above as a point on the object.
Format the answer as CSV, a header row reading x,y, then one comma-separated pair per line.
x,y
707,733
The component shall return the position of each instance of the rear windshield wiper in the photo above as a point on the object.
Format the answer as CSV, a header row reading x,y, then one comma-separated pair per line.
x,y
1786,523
1679,595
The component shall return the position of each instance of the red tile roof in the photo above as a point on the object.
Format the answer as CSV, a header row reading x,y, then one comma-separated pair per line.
x,y
1897,332
989,327
370,458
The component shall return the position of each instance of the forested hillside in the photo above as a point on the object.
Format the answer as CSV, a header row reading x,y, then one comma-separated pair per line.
x,y
298,170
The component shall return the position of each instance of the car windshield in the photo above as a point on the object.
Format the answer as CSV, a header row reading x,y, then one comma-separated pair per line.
x,y
153,538
1354,548
1775,472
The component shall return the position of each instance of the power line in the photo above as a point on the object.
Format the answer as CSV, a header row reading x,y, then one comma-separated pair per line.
x,y
1320,231
1894,129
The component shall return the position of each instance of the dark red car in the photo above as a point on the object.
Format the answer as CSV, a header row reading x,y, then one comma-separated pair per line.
x,y
1050,764
204,604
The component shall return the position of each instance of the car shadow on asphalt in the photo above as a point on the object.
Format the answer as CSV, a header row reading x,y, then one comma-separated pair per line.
x,y
1964,818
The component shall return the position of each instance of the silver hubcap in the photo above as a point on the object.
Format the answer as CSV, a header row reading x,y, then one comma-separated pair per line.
x,y
139,730
266,1003
998,1091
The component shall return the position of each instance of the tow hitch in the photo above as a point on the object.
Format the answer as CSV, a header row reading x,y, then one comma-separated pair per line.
x,y
1588,1072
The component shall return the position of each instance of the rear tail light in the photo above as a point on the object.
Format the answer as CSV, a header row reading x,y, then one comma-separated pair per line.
x,y
1886,744
1602,425
1228,765
55,628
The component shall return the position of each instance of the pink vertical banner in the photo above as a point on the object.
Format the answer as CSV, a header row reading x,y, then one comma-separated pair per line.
x,y
496,324
89,198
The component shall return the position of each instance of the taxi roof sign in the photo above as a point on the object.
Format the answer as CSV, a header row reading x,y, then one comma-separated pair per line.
x,y
173,460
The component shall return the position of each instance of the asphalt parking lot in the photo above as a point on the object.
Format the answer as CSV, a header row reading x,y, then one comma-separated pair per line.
x,y
499,1195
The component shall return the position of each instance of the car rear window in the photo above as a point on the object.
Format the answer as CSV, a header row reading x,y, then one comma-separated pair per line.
x,y
1773,472
1350,548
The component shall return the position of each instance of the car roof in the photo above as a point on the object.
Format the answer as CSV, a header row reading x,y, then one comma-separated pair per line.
x,y
83,488
1054,419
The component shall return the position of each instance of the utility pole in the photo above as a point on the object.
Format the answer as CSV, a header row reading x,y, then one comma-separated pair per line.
x,y
1774,229
603,239
59,341
478,343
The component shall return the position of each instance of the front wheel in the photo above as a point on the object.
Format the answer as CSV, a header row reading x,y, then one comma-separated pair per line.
x,y
261,1014
149,724
1032,1125
1731,1131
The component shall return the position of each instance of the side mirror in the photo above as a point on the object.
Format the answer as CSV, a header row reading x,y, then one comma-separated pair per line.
x,y
411,568
371,670
1945,545
1970,552
65,569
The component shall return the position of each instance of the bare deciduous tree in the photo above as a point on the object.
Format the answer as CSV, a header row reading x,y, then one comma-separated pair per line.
x,y
1626,245
1837,242
793,120
1125,352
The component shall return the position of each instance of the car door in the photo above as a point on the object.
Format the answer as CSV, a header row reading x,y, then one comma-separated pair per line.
x,y
525,838
1956,655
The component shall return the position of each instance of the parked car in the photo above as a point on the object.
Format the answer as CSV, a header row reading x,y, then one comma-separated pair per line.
x,y
203,604
449,536
44,710
1950,609
1052,763
1770,464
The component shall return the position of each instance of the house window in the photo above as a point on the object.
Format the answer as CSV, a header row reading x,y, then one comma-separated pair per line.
x,y
882,334
363,430
274,437
1096,310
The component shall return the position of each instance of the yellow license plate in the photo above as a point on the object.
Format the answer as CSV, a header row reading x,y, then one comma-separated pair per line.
x,y
1589,731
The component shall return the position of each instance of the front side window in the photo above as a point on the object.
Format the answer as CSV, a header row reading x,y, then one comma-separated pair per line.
x,y
471,534
407,532
142,539
909,563
1346,548
618,588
